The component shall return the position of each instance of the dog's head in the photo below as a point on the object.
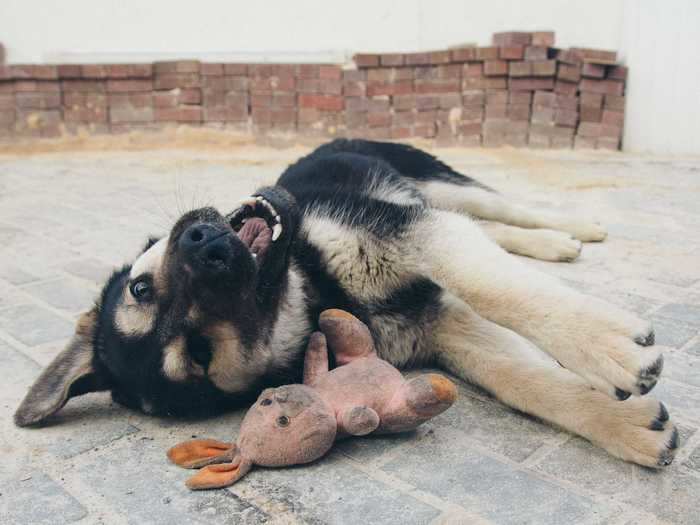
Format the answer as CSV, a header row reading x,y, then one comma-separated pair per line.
x,y
183,329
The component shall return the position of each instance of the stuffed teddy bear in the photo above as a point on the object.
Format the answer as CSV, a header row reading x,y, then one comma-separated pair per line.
x,y
297,424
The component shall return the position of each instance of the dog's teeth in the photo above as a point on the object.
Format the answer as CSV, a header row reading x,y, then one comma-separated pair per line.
x,y
277,218
259,198
276,232
250,201
255,256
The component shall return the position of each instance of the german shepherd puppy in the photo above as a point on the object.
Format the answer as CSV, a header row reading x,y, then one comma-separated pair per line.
x,y
224,305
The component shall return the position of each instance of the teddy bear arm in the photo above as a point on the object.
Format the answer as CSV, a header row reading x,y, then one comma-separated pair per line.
x,y
316,358
348,337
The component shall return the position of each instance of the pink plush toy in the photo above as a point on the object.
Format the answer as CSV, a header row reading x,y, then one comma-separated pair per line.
x,y
297,424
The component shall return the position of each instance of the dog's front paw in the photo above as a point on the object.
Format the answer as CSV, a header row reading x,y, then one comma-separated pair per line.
x,y
638,430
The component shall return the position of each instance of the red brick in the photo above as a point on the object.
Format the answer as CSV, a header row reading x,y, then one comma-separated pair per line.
x,y
570,56
566,102
566,117
7,117
179,114
402,87
83,114
473,69
309,85
283,100
192,96
471,128
470,83
615,102
285,117
404,102
236,69
426,116
520,69
311,71
355,119
487,53
496,111
473,114
129,86
417,59
497,97
613,118
403,132
330,86
329,72
591,114
366,60
450,100
463,54
140,70
605,87
518,112
401,118
589,129
511,52
596,55
224,114
426,130
94,71
176,66
169,99
7,102
584,142
39,86
391,59
33,71
519,97
607,130
437,86
542,115
609,143
423,102
134,100
439,57
323,102
593,70
68,71
536,53
211,69
495,68
565,88
475,97
543,38
354,89
75,100
236,83
512,38
617,72
545,99
123,114
531,84
544,68
569,73
38,100
376,120
593,100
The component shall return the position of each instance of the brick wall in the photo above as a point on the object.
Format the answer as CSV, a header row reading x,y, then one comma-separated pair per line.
x,y
520,91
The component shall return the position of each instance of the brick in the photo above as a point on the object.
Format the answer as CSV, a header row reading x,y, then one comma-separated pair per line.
x,y
569,73
417,59
474,69
536,53
437,86
7,102
423,102
424,130
566,102
175,80
330,72
593,70
402,87
593,100
38,100
495,68
544,68
518,112
192,96
520,69
565,88
439,57
140,70
375,120
581,142
615,102
323,102
542,115
75,100
179,114
85,114
562,142
543,38
537,141
613,131
176,66
94,71
169,99
129,86
617,72
463,54
399,118
366,60
545,99
512,38
566,117
531,83
211,69
131,100
472,114
511,52
589,129
7,88
591,114
236,69
471,83
475,97
599,56
68,71
7,117
37,86
605,87
224,114
519,97
613,118
496,111
129,114
608,143
403,132
391,59
487,53
570,56
33,72
471,128
497,97
450,100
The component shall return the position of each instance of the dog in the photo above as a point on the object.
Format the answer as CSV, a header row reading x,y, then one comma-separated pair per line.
x,y
223,307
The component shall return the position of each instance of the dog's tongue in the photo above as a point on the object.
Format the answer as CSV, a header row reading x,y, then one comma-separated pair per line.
x,y
256,235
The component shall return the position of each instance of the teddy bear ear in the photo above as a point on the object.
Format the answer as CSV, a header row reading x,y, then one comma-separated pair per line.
x,y
219,476
198,453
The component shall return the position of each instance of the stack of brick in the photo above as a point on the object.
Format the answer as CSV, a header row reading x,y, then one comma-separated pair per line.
x,y
177,93
224,95
36,94
273,96
321,103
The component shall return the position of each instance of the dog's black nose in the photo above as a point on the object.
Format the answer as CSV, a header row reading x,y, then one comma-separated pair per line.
x,y
207,246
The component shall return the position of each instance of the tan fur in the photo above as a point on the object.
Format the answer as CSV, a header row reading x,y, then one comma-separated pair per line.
x,y
230,369
491,206
177,365
546,245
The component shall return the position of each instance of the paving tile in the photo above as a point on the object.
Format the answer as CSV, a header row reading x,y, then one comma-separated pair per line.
x,y
671,332
687,313
32,324
89,269
38,499
66,294
445,464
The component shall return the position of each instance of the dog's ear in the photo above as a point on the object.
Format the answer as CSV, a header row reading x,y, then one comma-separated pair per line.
x,y
70,374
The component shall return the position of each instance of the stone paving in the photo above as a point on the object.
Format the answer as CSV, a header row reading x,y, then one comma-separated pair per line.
x,y
66,219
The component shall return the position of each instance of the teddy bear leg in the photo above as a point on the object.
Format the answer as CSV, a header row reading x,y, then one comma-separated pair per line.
x,y
348,337
358,421
198,453
417,401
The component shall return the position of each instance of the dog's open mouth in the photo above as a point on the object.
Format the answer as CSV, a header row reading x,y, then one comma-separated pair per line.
x,y
257,225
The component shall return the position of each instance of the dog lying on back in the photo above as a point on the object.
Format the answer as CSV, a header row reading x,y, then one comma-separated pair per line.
x,y
223,307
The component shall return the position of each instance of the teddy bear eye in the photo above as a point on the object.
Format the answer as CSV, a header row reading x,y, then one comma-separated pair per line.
x,y
283,421
266,402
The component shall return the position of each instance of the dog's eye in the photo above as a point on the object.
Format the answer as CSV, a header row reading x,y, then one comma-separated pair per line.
x,y
140,290
266,402
283,421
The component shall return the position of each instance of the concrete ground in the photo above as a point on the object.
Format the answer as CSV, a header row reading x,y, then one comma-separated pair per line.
x,y
68,218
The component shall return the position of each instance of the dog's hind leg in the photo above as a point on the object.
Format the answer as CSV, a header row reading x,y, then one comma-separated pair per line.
x,y
546,245
509,367
486,204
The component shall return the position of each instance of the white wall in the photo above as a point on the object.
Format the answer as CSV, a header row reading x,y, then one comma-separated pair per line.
x,y
659,40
